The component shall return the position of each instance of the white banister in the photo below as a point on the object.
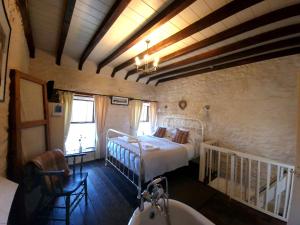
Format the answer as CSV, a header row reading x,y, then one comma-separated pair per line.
x,y
263,184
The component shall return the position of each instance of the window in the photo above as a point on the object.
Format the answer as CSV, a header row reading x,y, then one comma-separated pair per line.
x,y
145,126
82,130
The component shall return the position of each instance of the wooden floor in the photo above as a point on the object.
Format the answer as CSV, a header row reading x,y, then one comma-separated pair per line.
x,y
112,199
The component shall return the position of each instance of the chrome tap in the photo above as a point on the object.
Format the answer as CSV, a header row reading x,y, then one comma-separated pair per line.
x,y
154,193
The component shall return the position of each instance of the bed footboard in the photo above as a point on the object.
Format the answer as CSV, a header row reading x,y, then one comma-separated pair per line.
x,y
127,161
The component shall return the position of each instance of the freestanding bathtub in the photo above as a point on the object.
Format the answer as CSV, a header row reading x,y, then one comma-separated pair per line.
x,y
179,214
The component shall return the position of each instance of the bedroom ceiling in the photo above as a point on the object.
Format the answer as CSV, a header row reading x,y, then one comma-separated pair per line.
x,y
191,37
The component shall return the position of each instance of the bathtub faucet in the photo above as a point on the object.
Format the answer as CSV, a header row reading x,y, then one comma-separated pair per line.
x,y
156,195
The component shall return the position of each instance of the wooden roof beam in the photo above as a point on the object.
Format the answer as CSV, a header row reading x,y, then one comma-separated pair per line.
x,y
70,4
263,20
215,63
23,7
260,38
164,16
113,14
214,17
281,53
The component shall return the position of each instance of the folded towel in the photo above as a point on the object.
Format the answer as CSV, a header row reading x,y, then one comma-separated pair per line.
x,y
146,146
127,139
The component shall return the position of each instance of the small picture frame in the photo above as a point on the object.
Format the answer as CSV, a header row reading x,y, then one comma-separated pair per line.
x,y
57,109
117,100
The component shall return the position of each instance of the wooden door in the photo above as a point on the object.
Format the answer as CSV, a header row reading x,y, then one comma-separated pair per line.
x,y
28,121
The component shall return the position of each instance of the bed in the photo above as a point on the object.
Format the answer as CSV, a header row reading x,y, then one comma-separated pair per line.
x,y
140,159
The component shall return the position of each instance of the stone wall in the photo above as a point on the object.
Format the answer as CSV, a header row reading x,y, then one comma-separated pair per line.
x,y
18,58
252,107
67,76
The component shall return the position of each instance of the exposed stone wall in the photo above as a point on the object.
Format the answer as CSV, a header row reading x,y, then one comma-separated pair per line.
x,y
18,58
252,107
67,76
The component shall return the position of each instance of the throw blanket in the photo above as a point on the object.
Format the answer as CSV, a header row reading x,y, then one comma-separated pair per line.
x,y
168,157
53,160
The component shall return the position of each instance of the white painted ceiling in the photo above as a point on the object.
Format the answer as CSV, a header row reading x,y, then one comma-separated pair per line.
x,y
47,15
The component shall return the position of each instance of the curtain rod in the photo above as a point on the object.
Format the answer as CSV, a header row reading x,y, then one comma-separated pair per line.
x,y
89,93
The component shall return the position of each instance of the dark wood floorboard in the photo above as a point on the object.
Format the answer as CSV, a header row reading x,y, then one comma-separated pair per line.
x,y
112,199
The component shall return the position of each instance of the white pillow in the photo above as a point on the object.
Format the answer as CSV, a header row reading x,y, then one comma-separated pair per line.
x,y
170,132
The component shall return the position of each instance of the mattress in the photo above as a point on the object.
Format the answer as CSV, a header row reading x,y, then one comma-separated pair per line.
x,y
167,157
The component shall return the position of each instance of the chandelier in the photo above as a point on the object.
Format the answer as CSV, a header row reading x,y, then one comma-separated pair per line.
x,y
148,67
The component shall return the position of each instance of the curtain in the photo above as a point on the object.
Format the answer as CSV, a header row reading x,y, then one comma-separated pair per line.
x,y
153,115
67,101
135,107
101,105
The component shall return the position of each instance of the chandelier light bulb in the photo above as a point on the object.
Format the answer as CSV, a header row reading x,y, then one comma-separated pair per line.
x,y
146,58
156,61
137,61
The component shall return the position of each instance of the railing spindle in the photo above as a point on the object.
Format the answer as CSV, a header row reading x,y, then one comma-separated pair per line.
x,y
249,180
276,192
241,177
268,185
210,164
258,184
287,193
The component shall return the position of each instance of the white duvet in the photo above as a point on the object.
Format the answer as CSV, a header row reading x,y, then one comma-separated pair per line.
x,y
165,155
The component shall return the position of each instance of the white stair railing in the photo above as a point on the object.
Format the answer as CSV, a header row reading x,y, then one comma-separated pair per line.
x,y
261,183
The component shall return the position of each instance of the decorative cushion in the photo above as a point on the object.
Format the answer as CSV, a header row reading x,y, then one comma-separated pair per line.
x,y
181,136
160,132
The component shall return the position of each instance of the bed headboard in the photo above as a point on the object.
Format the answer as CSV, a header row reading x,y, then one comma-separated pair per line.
x,y
183,122
191,124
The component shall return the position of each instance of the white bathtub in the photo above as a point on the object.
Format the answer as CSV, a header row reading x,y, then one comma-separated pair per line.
x,y
180,214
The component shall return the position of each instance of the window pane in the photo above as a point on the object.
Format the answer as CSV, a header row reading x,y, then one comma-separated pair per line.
x,y
85,131
145,113
144,129
82,111
144,126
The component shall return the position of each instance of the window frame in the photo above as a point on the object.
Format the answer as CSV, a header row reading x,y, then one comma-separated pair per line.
x,y
93,121
87,100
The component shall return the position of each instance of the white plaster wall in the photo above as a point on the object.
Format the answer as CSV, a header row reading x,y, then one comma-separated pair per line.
x,y
253,107
18,58
67,76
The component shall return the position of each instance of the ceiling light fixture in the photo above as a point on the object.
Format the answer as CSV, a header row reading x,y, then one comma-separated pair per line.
x,y
148,67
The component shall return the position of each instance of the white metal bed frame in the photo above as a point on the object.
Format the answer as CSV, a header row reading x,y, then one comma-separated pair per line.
x,y
121,166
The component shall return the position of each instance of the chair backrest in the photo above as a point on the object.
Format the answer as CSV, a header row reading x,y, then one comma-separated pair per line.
x,y
53,160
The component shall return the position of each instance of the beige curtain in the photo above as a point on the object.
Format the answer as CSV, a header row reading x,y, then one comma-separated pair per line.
x,y
67,101
153,115
135,107
101,105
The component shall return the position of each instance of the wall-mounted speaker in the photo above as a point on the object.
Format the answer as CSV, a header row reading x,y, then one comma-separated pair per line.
x,y
53,95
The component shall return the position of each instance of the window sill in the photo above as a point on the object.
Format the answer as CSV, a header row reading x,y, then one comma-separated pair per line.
x,y
88,150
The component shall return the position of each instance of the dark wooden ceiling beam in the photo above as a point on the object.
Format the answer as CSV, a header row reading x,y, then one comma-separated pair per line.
x,y
214,17
113,14
23,7
252,51
263,20
164,16
69,8
260,38
267,56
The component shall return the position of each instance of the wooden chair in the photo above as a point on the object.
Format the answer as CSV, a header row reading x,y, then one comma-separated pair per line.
x,y
57,181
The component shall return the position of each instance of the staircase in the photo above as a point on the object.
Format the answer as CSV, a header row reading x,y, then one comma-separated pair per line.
x,y
263,184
